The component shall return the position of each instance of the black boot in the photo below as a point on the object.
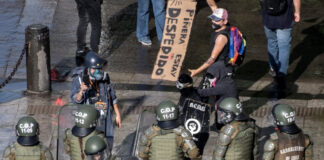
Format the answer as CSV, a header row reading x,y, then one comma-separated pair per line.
x,y
282,86
79,56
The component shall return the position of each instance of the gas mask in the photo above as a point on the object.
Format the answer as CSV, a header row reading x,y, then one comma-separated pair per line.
x,y
215,26
180,85
209,81
98,74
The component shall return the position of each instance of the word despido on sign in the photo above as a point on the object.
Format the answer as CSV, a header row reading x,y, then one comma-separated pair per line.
x,y
26,127
79,117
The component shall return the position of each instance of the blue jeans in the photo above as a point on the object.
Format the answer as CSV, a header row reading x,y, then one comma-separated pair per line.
x,y
142,27
278,49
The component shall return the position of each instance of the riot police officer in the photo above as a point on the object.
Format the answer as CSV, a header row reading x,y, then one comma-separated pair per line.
x,y
91,85
167,139
237,138
28,144
289,142
96,149
85,127
185,86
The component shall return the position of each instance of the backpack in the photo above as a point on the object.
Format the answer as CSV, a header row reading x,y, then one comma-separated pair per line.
x,y
274,7
237,47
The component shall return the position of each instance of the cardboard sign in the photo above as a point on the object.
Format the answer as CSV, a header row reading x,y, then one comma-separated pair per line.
x,y
196,116
177,28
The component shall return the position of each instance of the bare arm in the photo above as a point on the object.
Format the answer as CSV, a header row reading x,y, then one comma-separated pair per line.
x,y
297,10
218,47
79,95
212,4
118,117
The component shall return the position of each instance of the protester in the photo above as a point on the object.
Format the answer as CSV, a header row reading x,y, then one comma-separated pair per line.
x,y
187,91
219,40
143,14
88,11
91,85
278,22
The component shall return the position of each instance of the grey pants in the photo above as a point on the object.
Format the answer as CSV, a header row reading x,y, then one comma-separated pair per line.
x,y
89,11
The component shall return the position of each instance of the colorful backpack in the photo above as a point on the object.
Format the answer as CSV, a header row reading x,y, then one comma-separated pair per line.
x,y
237,45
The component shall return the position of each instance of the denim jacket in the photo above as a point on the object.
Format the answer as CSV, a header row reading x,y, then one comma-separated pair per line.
x,y
107,95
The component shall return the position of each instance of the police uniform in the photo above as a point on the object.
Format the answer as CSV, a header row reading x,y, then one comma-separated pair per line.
x,y
167,139
236,141
288,142
282,146
75,145
16,151
28,146
174,144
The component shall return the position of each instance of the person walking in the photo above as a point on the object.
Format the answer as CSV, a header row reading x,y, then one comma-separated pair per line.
x,y
279,18
143,14
88,12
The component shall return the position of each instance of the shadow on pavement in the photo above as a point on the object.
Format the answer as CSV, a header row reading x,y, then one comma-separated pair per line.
x,y
311,47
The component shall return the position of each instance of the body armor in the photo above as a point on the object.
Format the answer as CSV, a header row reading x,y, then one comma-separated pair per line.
x,y
173,144
235,141
164,146
19,152
290,146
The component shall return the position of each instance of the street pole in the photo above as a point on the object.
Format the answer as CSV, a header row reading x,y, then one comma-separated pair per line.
x,y
38,59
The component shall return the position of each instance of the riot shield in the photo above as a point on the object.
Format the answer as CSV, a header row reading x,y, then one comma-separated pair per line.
x,y
145,120
65,121
196,116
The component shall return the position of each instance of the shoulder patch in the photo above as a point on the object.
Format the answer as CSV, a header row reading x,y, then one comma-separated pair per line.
x,y
224,139
185,134
67,133
274,136
178,130
270,145
229,130
150,131
9,149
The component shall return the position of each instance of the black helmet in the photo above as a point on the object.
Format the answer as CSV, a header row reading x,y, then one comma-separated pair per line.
x,y
184,81
92,60
284,117
27,130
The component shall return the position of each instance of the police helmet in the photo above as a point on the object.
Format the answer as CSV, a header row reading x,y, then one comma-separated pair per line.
x,y
167,115
27,130
85,121
284,117
94,145
230,109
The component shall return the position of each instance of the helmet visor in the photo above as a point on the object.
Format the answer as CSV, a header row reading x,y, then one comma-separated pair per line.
x,y
224,117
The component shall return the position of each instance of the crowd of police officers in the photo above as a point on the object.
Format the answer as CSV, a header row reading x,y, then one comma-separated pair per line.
x,y
171,138
181,131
